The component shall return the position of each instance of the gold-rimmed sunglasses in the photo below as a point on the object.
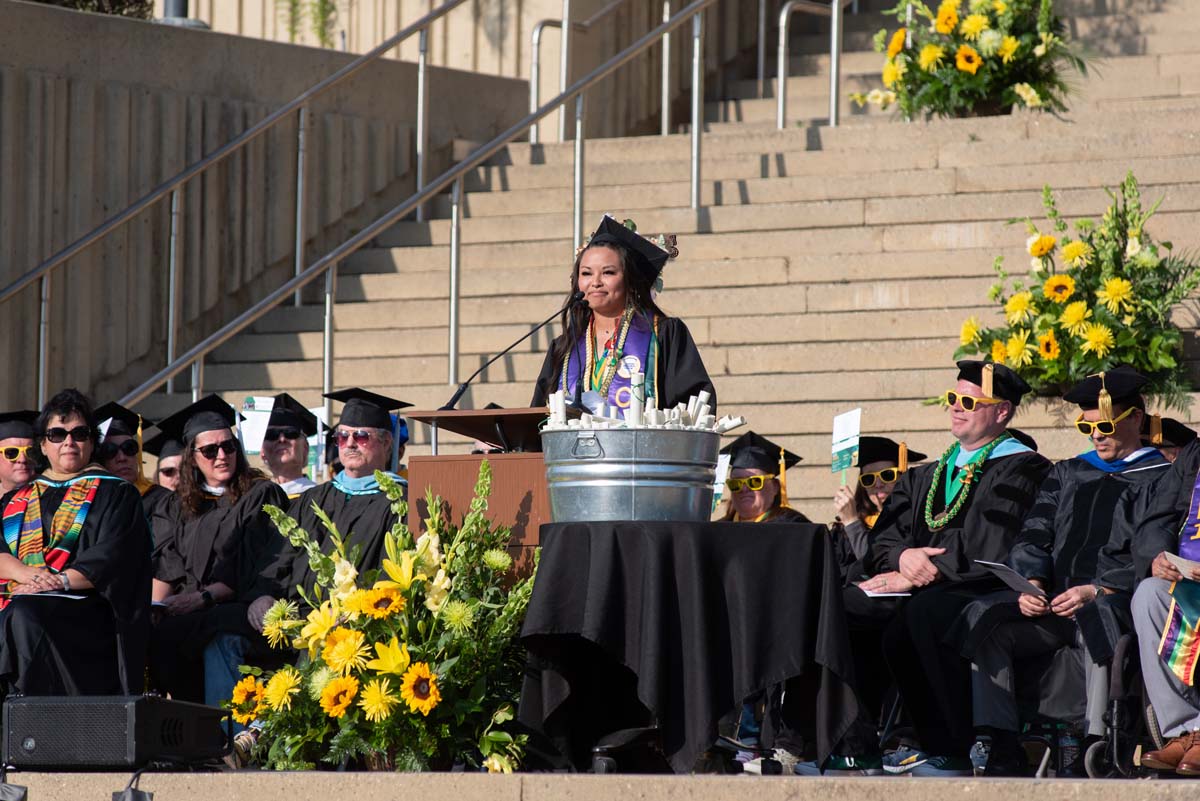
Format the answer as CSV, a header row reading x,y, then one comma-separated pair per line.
x,y
1106,427
752,483
968,402
14,452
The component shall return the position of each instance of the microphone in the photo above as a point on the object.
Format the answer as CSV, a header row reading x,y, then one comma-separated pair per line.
x,y
575,299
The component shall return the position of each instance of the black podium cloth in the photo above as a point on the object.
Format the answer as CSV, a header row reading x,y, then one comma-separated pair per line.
x,y
674,624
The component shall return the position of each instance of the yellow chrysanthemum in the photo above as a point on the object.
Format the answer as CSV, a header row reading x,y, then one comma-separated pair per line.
x,y
947,17
1018,351
969,333
973,25
320,621
1008,48
247,700
1048,347
338,694
276,633
930,57
1077,253
281,687
345,650
419,689
1117,295
999,351
1059,288
896,44
967,59
1074,318
1041,245
893,72
1097,339
377,700
1019,308
1000,6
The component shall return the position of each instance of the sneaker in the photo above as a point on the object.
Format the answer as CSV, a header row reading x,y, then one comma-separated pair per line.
x,y
837,765
945,766
903,760
780,762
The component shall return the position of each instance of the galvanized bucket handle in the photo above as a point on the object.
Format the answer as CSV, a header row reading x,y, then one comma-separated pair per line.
x,y
587,446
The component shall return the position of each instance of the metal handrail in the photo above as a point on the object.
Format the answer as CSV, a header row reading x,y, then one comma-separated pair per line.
x,y
326,265
763,13
174,184
833,10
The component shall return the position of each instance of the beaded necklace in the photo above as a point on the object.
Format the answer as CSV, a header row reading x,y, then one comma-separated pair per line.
x,y
971,472
607,368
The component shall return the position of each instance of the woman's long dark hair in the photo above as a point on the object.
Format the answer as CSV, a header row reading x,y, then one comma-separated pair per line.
x,y
191,480
575,317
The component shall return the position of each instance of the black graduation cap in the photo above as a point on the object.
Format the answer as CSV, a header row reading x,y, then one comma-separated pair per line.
x,y
163,445
291,413
648,258
1121,385
365,408
210,413
1170,433
1023,438
882,449
124,423
756,452
17,424
1004,383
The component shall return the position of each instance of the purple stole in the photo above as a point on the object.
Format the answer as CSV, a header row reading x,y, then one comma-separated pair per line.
x,y
638,356
1179,647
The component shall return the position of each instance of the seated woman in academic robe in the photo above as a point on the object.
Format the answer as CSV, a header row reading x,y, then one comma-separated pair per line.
x,y
617,329
208,569
75,568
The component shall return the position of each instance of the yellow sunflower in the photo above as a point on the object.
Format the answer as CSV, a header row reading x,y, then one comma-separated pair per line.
x,y
896,44
1048,347
999,351
1074,318
1019,308
1018,349
281,687
1097,339
419,689
382,602
1008,48
1059,288
247,699
930,57
969,333
973,25
1076,253
338,694
967,59
1117,295
345,650
377,700
947,17
1041,245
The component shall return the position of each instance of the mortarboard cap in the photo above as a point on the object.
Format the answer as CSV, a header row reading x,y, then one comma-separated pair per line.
x,y
287,411
17,424
1120,385
1171,433
121,421
647,257
163,445
882,449
1023,438
210,413
365,408
1005,384
753,451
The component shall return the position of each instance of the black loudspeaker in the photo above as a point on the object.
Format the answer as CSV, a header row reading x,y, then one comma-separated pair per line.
x,y
96,732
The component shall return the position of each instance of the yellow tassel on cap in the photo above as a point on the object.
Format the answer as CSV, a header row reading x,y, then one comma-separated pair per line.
x,y
783,498
143,484
902,462
1104,400
1156,437
986,381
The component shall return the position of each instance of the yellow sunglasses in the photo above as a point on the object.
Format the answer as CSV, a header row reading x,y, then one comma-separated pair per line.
x,y
1105,427
889,475
14,452
753,483
968,402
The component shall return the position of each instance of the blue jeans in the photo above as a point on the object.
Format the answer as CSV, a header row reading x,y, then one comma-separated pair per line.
x,y
222,656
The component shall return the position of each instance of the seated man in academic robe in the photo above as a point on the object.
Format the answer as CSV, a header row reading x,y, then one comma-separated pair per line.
x,y
285,444
939,519
18,452
1086,599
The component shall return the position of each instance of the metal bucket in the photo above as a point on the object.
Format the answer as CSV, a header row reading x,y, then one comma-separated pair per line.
x,y
630,474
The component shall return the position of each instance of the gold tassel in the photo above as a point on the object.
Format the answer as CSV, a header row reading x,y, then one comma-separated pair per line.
x,y
143,484
783,498
1156,437
988,369
902,462
1104,401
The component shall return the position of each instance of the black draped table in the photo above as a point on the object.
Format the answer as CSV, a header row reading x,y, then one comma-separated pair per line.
x,y
675,624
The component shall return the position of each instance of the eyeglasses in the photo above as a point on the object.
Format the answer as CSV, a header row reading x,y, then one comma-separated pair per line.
x,y
109,450
287,433
1106,427
14,452
968,402
753,483
78,434
889,475
169,472
361,436
227,447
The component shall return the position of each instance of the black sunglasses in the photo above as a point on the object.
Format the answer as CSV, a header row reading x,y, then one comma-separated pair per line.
x,y
169,472
227,447
78,434
109,450
287,433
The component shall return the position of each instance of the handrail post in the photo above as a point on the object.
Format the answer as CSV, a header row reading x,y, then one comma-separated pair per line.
x,y
564,67
197,378
666,72
697,101
835,61
456,198
781,66
173,288
301,137
422,114
43,370
577,216
762,48
535,75
328,334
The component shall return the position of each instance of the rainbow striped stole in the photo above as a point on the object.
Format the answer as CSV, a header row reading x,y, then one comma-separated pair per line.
x,y
1179,646
22,522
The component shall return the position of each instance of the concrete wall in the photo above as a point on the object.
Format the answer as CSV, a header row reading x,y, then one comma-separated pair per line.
x,y
95,111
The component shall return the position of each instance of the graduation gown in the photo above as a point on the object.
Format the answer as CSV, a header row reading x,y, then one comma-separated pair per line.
x,y
1149,520
680,371
94,646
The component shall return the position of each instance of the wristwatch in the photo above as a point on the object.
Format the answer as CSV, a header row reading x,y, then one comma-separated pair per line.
x,y
66,581
209,601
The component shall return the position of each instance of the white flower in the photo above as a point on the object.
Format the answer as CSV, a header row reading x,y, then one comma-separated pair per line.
x,y
344,578
875,97
437,592
429,551
1028,95
1035,264
989,42
1133,247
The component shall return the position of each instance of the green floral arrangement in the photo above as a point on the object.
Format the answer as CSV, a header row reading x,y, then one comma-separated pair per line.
x,y
412,667
1094,299
984,59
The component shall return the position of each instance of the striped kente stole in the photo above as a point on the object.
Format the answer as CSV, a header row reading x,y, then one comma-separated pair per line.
x,y
23,527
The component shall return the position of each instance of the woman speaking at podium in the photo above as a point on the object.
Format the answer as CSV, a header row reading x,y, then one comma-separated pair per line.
x,y
617,329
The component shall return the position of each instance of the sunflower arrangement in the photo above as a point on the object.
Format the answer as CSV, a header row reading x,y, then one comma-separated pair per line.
x,y
970,57
411,667
1097,297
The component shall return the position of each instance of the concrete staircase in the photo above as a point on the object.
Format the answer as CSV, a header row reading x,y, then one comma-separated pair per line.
x,y
829,268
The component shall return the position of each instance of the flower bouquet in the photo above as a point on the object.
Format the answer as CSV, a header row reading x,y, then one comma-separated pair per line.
x,y
1093,300
980,60
412,667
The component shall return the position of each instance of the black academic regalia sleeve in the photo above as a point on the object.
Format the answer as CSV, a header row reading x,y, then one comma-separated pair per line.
x,y
1032,554
546,379
247,553
166,526
681,371
1163,510
893,533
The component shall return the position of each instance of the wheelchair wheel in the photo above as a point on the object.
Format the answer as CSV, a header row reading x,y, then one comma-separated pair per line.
x,y
1097,762
1152,727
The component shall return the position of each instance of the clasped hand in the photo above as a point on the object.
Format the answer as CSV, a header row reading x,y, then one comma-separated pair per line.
x,y
182,603
916,565
37,579
1064,605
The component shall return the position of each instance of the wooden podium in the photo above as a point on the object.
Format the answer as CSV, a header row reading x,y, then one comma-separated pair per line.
x,y
519,498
